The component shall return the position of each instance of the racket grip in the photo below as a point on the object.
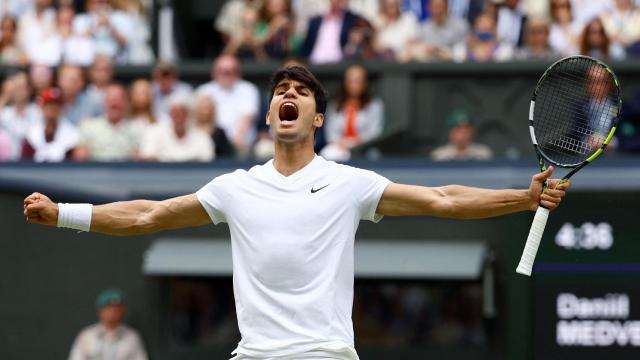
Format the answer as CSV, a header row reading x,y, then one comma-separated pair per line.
x,y
533,241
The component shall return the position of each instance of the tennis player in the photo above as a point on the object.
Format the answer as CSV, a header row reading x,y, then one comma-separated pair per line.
x,y
293,222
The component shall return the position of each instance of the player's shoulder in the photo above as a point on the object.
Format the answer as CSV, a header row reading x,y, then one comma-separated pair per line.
x,y
232,177
343,169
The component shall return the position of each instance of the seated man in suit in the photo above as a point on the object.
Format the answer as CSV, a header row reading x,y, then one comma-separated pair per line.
x,y
328,34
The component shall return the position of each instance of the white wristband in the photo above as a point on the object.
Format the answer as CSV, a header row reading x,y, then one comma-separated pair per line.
x,y
75,216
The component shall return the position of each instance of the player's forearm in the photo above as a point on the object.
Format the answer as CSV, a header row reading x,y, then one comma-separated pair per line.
x,y
462,202
124,218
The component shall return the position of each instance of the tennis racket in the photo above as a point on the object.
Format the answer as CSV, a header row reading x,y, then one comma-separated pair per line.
x,y
573,115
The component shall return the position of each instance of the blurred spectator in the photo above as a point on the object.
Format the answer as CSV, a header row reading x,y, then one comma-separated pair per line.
x,y
205,114
597,108
110,338
586,10
166,83
245,43
40,77
438,35
5,145
237,102
15,8
461,145
179,141
139,50
466,9
35,27
360,41
304,10
622,23
53,138
141,102
510,22
77,104
110,30
10,52
111,137
481,45
537,45
20,113
420,8
596,43
395,28
368,9
354,118
275,30
71,48
100,77
328,34
535,8
229,21
564,31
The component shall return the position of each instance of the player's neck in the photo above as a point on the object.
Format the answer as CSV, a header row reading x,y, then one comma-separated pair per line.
x,y
291,157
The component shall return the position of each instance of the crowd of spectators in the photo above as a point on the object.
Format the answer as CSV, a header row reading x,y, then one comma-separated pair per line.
x,y
83,114
36,32
330,31
66,104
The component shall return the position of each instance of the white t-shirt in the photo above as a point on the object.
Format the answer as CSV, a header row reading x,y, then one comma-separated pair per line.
x,y
292,239
397,34
243,98
16,125
64,139
160,141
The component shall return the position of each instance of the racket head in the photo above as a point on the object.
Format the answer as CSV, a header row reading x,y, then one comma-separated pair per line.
x,y
574,111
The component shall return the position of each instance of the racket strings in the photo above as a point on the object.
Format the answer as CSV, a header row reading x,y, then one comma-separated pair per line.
x,y
576,106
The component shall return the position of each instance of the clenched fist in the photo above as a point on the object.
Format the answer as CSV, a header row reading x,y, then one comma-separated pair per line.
x,y
39,209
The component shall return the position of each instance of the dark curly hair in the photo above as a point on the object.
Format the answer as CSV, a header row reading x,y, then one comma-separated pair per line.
x,y
303,75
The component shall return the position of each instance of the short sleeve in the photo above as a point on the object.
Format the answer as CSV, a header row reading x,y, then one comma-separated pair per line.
x,y
150,142
213,197
368,186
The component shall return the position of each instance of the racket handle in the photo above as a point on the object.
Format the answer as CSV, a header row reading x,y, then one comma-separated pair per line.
x,y
533,241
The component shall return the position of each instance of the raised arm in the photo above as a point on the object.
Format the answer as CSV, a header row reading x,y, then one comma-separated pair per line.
x,y
462,202
125,218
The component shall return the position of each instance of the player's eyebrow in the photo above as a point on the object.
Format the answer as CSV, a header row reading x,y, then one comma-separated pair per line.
x,y
302,86
286,84
283,85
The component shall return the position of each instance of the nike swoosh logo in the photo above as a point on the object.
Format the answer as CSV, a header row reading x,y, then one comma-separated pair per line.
x,y
313,191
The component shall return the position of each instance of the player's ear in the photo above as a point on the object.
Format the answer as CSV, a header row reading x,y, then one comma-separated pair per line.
x,y
267,118
318,120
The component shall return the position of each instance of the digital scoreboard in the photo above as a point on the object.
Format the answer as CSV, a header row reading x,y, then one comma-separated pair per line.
x,y
586,282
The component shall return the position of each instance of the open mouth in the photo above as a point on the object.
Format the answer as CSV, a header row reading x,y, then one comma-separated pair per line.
x,y
288,111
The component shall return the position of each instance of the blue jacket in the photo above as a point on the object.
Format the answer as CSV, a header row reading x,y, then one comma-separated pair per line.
x,y
314,27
